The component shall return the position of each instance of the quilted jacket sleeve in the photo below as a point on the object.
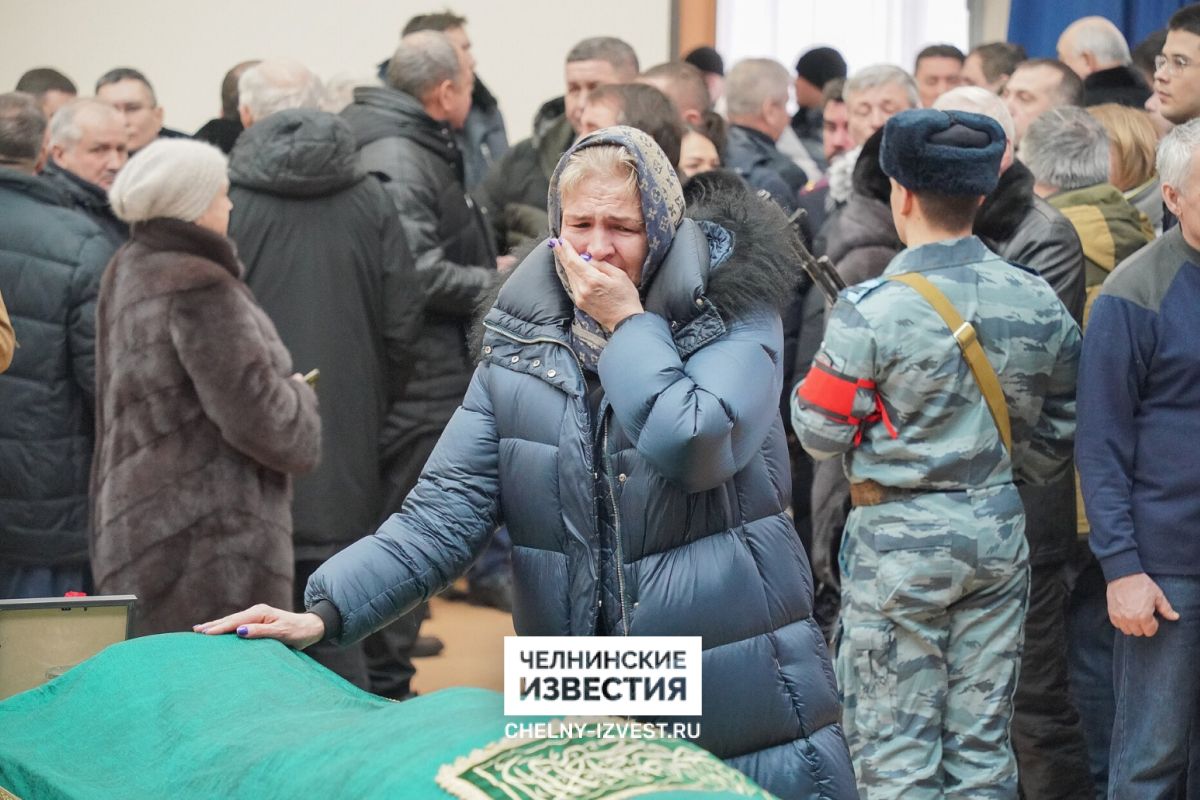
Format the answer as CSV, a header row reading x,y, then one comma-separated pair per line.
x,y
403,301
450,288
81,315
697,421
445,522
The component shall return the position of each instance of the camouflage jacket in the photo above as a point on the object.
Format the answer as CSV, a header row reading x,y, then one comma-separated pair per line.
x,y
904,406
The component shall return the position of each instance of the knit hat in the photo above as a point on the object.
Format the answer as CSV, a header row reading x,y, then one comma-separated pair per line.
x,y
176,178
949,152
706,59
821,65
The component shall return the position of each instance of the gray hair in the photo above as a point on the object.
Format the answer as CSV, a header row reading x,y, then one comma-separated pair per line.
x,y
599,161
753,82
881,75
423,61
978,100
1175,154
65,130
22,126
1066,148
278,85
339,89
1101,38
615,51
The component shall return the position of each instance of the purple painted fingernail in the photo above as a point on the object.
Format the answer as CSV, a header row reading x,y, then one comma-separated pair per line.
x,y
242,630
586,256
552,243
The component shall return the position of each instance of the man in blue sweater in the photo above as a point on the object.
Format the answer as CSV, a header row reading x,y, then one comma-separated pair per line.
x,y
1139,398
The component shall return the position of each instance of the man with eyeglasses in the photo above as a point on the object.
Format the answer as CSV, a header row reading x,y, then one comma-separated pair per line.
x,y
1176,79
128,91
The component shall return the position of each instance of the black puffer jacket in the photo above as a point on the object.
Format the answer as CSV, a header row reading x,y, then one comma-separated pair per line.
x,y
327,259
514,191
449,239
88,199
51,259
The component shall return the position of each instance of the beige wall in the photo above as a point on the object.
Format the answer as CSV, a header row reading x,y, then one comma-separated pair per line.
x,y
185,47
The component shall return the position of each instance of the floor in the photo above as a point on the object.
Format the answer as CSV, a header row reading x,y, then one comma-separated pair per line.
x,y
474,654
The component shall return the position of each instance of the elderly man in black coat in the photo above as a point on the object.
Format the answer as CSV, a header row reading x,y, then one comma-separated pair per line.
x,y
88,147
51,259
328,259
1097,51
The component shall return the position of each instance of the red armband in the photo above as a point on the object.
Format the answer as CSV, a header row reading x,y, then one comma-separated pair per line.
x,y
832,394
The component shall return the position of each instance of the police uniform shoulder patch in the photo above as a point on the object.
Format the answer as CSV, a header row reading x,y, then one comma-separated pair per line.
x,y
858,291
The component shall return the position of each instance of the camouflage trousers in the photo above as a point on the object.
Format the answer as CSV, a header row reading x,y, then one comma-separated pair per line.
x,y
934,591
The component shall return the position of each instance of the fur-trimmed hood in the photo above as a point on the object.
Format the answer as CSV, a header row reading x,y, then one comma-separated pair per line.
x,y
759,272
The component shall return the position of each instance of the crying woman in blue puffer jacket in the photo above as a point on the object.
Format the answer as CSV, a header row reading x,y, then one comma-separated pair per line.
x,y
624,423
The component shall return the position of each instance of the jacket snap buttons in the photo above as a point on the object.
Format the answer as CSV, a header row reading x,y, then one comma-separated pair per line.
x,y
514,359
700,302
487,349
621,477
551,373
537,362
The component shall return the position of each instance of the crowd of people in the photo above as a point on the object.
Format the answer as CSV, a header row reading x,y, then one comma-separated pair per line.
x,y
297,373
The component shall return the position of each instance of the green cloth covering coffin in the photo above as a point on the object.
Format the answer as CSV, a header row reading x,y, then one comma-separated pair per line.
x,y
190,716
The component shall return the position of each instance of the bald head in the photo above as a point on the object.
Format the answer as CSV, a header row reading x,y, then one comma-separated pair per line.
x,y
978,100
88,138
1092,44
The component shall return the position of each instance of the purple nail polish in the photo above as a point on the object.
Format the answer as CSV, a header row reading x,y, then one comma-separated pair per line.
x,y
242,630
552,243
586,256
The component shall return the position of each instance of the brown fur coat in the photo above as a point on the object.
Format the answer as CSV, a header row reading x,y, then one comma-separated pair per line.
x,y
197,430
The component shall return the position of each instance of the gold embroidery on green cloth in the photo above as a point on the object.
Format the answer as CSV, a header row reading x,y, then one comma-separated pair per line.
x,y
590,768
7,795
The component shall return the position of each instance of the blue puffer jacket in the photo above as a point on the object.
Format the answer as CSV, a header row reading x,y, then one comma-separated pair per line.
x,y
689,451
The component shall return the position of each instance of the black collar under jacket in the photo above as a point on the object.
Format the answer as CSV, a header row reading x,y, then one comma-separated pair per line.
x,y
379,113
481,97
82,193
296,153
1005,208
697,300
175,235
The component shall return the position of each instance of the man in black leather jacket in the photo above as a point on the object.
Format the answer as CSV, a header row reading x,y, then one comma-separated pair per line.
x,y
405,134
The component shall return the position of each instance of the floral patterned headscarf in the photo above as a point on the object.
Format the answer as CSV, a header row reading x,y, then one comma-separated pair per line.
x,y
662,212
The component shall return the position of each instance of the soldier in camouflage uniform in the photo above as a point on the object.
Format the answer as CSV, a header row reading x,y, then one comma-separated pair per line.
x,y
934,560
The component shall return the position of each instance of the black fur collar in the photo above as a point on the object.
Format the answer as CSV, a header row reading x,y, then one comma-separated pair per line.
x,y
761,274
1007,205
